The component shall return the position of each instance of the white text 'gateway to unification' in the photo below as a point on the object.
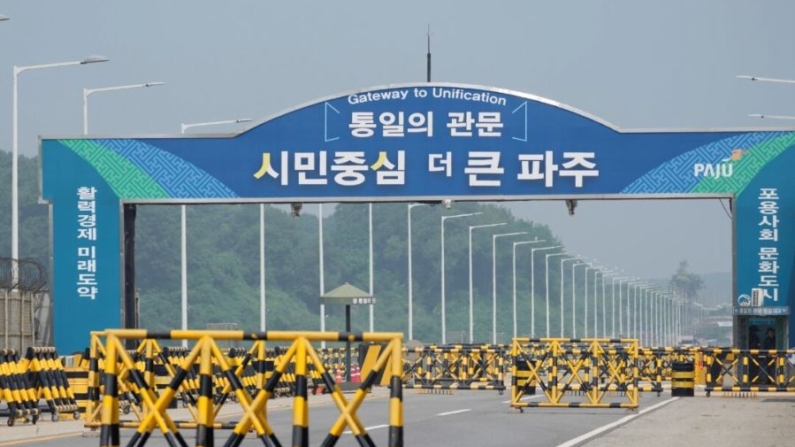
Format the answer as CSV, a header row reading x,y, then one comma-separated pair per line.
x,y
459,93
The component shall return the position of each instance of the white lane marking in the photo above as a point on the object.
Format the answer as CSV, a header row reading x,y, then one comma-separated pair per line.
x,y
611,425
526,398
374,427
454,412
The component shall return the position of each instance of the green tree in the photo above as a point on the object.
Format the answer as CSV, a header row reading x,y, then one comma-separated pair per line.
x,y
686,283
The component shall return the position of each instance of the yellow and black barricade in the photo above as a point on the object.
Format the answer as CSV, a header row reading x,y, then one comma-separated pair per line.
x,y
47,376
522,378
212,363
456,367
16,390
683,379
566,370
743,372
77,376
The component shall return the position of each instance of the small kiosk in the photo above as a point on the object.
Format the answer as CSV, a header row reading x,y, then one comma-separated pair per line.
x,y
347,295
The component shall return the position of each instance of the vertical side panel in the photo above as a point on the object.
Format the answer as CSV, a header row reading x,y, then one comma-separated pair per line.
x,y
85,237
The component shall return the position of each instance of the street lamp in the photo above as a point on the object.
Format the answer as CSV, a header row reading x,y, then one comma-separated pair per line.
x,y
533,286
516,244
494,238
4,18
613,296
668,320
444,323
185,127
184,243
647,322
604,301
471,289
15,148
574,296
411,285
628,281
596,269
370,242
90,91
634,318
585,305
775,117
773,80
321,271
661,317
653,316
562,277
757,78
546,283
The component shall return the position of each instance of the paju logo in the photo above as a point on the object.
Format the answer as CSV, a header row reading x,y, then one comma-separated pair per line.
x,y
723,169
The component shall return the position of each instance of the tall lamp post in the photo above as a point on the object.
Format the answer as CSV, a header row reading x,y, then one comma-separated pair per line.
x,y
471,288
621,282
411,283
574,296
90,91
772,80
15,148
647,321
613,297
516,244
321,270
596,270
546,284
562,277
370,237
184,240
604,300
533,286
444,316
658,300
494,238
585,305
634,320
184,127
4,18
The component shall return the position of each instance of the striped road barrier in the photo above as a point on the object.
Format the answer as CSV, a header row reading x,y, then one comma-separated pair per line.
x,y
565,368
201,357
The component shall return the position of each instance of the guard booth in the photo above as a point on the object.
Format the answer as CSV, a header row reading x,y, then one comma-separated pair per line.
x,y
752,317
347,295
760,325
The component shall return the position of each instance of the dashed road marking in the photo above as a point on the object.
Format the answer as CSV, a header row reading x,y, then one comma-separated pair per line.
x,y
374,427
454,412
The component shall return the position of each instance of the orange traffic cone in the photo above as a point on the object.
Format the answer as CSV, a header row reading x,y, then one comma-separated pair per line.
x,y
339,375
356,375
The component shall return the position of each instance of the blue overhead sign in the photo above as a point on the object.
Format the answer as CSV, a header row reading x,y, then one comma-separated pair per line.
x,y
416,142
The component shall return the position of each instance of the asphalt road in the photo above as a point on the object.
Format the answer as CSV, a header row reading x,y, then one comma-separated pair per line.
x,y
465,418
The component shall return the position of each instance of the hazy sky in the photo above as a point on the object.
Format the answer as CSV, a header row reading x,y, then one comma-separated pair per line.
x,y
637,64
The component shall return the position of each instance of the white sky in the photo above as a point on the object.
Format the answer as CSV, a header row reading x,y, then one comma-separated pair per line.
x,y
638,64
